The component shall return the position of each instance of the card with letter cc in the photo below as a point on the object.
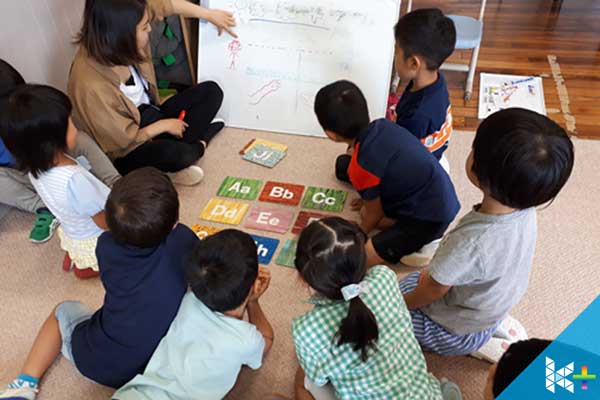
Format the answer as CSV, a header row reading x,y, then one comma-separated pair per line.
x,y
324,199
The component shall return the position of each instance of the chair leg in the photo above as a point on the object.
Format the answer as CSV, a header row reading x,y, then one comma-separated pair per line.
x,y
471,76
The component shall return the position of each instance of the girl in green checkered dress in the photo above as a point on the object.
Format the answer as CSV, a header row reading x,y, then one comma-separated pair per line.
x,y
357,342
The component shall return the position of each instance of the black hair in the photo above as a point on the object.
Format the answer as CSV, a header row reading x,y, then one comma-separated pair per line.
x,y
142,208
34,122
108,32
342,108
428,33
522,158
222,269
330,255
514,361
10,78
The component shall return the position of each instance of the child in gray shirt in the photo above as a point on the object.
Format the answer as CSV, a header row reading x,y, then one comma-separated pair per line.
x,y
519,160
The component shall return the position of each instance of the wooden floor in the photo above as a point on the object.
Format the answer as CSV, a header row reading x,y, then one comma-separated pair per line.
x,y
519,35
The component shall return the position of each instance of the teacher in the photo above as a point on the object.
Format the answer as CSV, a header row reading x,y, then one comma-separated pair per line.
x,y
113,88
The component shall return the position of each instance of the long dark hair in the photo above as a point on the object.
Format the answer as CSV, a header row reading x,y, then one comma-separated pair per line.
x,y
108,32
331,255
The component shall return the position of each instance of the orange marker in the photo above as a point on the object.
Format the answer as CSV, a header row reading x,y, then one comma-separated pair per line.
x,y
181,115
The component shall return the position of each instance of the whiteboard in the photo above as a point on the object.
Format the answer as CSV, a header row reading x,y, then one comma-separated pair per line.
x,y
288,49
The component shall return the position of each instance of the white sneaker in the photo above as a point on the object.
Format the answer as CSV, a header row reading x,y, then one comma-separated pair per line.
x,y
22,393
492,351
422,257
510,329
189,176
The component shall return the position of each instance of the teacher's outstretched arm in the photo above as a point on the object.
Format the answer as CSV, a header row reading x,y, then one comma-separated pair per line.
x,y
223,20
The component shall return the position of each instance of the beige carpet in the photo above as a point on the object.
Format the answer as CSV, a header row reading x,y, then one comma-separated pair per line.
x,y
564,281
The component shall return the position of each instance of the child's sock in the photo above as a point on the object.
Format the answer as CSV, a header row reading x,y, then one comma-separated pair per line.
x,y
24,380
24,387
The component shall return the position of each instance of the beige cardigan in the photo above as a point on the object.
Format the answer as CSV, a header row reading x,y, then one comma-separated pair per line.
x,y
99,106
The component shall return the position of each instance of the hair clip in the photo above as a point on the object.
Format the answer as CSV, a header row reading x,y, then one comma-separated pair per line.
x,y
354,290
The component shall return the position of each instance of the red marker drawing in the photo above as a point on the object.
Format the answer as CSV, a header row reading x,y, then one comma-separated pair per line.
x,y
181,115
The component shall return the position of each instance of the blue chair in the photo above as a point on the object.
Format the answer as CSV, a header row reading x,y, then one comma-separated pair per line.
x,y
469,34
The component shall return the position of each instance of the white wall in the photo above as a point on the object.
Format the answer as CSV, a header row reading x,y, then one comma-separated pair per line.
x,y
36,37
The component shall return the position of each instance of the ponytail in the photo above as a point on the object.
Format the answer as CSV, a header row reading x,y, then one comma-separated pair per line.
x,y
331,258
359,328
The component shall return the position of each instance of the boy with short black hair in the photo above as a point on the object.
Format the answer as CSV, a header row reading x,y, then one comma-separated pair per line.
x,y
209,332
520,160
425,38
144,281
516,359
404,190
17,190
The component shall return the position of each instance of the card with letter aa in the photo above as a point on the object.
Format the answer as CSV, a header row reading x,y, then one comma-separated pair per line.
x,y
324,199
225,211
204,231
263,155
240,188
287,254
265,248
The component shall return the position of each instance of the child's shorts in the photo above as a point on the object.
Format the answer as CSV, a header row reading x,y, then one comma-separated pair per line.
x,y
70,314
81,251
434,337
405,237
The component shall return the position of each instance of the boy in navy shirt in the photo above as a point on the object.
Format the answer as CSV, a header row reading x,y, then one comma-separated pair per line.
x,y
404,190
425,38
141,268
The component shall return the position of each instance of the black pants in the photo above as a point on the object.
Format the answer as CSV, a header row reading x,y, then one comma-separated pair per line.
x,y
406,236
166,152
341,167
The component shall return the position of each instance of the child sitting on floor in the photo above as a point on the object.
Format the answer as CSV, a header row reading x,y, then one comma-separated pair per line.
x,y
520,160
209,341
17,190
404,190
425,38
357,342
141,268
37,129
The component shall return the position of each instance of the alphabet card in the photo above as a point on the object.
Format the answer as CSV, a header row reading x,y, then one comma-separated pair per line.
x,y
324,199
269,219
240,188
204,231
225,211
282,193
304,219
268,143
263,155
266,248
287,254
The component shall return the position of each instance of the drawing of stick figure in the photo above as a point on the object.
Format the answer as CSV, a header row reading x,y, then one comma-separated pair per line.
x,y
234,48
